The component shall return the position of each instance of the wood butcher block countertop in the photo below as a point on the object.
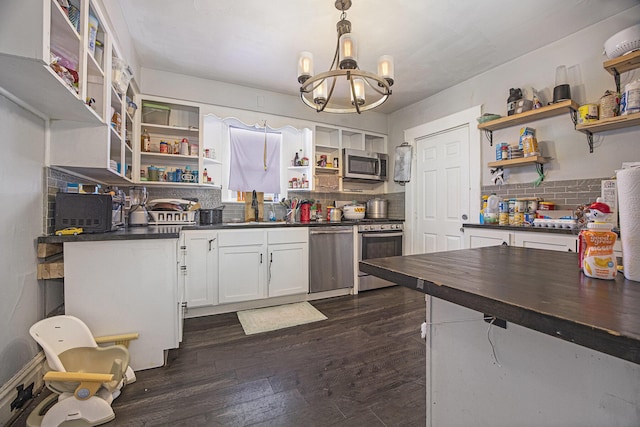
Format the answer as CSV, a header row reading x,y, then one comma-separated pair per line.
x,y
538,289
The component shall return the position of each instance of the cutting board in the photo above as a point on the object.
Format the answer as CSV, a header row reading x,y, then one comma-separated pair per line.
x,y
249,213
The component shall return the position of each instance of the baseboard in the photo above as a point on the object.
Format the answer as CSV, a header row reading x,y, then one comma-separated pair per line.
x,y
32,372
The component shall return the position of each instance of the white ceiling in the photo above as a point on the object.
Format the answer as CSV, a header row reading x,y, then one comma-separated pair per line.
x,y
435,44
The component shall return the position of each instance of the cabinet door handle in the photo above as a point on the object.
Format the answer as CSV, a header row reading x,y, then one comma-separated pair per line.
x,y
505,244
260,258
210,242
269,271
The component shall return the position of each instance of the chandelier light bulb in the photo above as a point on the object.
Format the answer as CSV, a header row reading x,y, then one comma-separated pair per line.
x,y
320,93
385,68
348,52
358,88
305,66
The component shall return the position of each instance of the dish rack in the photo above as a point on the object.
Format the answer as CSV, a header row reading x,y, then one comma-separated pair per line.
x,y
173,217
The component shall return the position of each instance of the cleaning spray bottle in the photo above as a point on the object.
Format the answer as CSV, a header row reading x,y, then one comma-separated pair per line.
x,y
595,255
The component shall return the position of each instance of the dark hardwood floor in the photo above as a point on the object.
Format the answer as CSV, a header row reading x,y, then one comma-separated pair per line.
x,y
364,366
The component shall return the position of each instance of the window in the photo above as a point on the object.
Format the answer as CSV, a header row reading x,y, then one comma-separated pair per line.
x,y
254,160
217,138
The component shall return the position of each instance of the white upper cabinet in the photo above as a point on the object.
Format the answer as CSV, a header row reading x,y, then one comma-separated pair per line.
x,y
59,61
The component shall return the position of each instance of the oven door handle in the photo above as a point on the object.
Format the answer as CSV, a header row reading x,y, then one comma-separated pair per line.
x,y
373,235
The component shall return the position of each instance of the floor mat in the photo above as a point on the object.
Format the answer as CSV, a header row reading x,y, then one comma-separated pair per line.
x,y
267,319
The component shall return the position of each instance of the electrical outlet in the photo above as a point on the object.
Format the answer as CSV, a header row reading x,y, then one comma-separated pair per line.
x,y
495,321
24,395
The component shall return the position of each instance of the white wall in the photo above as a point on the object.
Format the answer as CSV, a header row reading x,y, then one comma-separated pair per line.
x,y
582,54
21,222
178,86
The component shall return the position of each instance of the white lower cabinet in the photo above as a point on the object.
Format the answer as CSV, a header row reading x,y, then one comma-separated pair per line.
x,y
121,286
200,267
242,265
550,241
478,238
288,265
262,263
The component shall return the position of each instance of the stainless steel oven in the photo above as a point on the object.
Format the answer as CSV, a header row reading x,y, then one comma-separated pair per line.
x,y
378,240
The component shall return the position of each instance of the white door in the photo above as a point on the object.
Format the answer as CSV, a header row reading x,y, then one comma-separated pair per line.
x,y
446,162
443,190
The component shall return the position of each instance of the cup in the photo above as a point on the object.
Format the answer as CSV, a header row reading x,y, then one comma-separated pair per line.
x,y
291,216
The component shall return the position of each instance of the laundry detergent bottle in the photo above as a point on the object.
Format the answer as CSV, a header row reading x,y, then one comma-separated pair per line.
x,y
596,255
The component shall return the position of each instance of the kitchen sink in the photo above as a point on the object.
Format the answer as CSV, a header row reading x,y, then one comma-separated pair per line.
x,y
256,223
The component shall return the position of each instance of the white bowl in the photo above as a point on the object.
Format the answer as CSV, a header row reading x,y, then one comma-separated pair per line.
x,y
623,42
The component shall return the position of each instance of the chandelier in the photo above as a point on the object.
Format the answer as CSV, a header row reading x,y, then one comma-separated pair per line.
x,y
344,88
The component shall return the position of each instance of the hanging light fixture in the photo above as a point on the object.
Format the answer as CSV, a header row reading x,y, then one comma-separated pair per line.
x,y
344,88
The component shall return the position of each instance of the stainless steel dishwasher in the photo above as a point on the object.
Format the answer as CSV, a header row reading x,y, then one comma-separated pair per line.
x,y
330,258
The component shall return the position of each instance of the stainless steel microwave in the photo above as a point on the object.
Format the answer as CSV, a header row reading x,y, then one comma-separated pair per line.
x,y
360,165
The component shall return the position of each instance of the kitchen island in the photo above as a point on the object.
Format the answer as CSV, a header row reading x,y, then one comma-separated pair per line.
x,y
570,354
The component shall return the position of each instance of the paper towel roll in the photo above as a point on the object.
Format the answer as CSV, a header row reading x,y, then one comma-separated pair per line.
x,y
629,210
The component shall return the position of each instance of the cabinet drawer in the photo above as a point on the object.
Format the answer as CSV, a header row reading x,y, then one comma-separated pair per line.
x,y
240,237
288,236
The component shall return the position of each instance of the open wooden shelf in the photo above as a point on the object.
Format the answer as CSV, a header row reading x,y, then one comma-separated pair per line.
x,y
531,115
623,63
517,162
611,123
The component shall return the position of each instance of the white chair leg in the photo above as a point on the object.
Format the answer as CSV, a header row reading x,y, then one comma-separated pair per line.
x,y
130,375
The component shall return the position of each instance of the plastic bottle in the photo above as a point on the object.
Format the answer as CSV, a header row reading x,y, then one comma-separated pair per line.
x,y
205,175
146,142
296,160
596,251
176,147
184,147
484,208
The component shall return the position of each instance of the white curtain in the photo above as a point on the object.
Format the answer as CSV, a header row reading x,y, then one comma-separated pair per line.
x,y
251,167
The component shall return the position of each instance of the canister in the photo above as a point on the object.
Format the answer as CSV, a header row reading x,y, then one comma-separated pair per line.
x,y
503,219
503,207
520,206
587,113
499,150
609,104
152,173
512,205
518,218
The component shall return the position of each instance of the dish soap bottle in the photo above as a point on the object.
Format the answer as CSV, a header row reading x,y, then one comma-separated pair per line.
x,y
595,253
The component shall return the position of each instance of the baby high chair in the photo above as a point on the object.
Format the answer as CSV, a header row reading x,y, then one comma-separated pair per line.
x,y
83,377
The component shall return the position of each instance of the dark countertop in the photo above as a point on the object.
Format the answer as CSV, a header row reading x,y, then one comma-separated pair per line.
x,y
173,231
538,289
524,228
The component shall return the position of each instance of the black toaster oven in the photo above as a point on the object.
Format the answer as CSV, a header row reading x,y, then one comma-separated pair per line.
x,y
92,212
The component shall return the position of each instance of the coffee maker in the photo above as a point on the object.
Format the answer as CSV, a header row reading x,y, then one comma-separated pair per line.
x,y
138,215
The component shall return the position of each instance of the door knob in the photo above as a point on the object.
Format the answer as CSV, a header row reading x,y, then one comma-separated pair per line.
x,y
465,217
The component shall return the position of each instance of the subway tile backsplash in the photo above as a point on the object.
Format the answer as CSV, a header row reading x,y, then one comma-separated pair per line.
x,y
57,180
565,194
